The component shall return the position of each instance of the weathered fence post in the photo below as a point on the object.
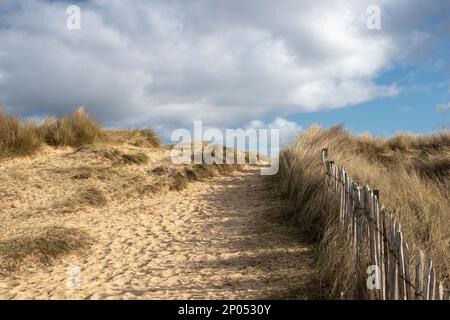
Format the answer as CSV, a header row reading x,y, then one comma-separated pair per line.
x,y
408,282
380,240
420,275
393,264
387,262
403,266
430,282
325,159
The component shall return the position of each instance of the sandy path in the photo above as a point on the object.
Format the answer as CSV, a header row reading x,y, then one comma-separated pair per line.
x,y
214,239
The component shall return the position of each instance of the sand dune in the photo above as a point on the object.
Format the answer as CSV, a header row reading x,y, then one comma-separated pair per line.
x,y
215,239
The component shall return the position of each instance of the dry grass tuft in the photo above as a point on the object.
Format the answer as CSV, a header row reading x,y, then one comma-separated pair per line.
x,y
75,130
113,155
83,173
118,157
198,172
18,138
42,248
167,178
178,181
136,158
144,138
157,186
411,172
93,197
159,171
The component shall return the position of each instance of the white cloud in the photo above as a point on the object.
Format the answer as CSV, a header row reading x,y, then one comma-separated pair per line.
x,y
443,107
288,129
158,62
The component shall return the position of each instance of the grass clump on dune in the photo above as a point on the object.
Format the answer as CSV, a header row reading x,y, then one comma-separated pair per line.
x,y
18,138
42,248
93,197
79,129
173,178
411,172
135,158
75,130
144,138
86,197
200,172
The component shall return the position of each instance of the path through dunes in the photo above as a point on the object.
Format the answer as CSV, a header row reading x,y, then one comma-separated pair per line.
x,y
214,239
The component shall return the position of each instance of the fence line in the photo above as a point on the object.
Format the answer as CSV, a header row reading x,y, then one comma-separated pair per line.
x,y
377,240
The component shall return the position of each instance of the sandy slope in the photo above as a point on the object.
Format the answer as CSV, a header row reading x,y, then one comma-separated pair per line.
x,y
214,239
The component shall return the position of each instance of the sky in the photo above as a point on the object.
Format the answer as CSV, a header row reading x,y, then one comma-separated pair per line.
x,y
282,64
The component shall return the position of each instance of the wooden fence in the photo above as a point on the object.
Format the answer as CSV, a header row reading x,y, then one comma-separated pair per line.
x,y
377,241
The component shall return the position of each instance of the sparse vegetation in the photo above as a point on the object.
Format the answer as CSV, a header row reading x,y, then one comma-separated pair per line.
x,y
178,179
173,178
411,172
43,247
